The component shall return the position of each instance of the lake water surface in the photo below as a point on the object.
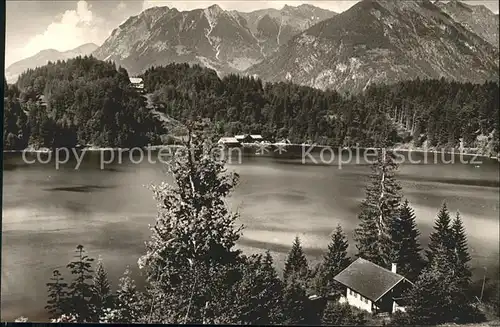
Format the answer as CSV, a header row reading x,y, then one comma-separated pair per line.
x,y
48,212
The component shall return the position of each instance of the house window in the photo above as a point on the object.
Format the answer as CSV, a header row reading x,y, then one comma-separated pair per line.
x,y
366,300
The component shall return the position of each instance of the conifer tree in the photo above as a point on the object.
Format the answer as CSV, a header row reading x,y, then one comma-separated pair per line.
x,y
192,243
334,261
57,301
406,244
80,289
296,266
380,207
294,303
101,289
461,251
442,235
431,298
128,300
438,295
259,293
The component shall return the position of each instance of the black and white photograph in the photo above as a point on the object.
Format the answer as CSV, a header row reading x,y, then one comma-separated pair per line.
x,y
259,162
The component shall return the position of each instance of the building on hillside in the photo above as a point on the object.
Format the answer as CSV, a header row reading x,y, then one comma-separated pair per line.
x,y
257,137
284,141
244,138
247,138
137,83
373,288
229,141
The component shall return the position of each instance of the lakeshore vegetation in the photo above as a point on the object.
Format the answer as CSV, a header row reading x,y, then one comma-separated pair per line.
x,y
194,274
90,102
192,271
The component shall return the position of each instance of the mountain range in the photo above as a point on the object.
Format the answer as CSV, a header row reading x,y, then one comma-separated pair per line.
x,y
379,41
43,57
372,42
227,41
477,19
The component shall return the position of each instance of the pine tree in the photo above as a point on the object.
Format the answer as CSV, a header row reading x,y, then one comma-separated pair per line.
x,y
442,235
193,239
431,298
80,289
57,301
101,289
407,246
296,264
128,300
295,303
380,207
334,261
438,295
259,293
461,251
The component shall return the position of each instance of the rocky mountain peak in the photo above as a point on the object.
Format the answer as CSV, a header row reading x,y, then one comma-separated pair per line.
x,y
381,41
476,18
227,41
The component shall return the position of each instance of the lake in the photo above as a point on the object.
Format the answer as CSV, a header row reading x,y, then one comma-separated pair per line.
x,y
47,212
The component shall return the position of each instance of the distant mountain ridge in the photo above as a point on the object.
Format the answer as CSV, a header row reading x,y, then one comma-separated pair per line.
x,y
227,41
378,41
43,57
477,19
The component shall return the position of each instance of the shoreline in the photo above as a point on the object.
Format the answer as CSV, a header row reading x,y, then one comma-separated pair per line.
x,y
397,148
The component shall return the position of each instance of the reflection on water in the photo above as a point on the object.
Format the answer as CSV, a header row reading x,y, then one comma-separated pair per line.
x,y
47,212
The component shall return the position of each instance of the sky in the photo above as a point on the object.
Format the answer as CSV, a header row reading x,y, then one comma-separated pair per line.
x,y
32,26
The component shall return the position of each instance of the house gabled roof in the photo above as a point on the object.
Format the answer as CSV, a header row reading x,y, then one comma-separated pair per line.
x,y
135,80
368,279
238,137
256,136
228,140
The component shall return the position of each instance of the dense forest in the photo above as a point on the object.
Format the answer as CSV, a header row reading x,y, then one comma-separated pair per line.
x,y
436,111
194,273
81,101
89,102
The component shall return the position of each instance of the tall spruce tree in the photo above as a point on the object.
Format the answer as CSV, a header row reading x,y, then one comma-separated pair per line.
x,y
129,301
334,261
80,289
259,293
442,235
378,210
296,265
461,253
101,289
438,295
295,303
57,297
193,239
431,298
406,244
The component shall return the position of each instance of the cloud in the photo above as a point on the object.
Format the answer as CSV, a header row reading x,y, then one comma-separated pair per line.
x,y
72,29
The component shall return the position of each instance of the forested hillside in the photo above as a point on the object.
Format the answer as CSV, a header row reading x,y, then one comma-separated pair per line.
x,y
437,111
89,102
79,101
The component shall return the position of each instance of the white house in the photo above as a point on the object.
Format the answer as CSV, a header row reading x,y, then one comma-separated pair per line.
x,y
228,141
256,137
137,83
373,288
